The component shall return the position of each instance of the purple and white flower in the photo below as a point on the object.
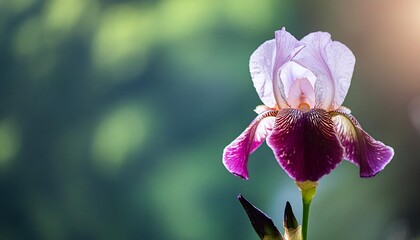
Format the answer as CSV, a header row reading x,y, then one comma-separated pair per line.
x,y
303,85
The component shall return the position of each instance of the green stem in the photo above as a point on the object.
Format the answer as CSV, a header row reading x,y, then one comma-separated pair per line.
x,y
308,190
305,218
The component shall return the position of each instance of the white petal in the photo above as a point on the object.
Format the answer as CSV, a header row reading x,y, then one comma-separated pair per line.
x,y
266,62
261,66
300,92
289,73
341,62
286,48
333,64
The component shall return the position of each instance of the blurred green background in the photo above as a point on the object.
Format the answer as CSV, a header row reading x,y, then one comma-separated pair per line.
x,y
114,115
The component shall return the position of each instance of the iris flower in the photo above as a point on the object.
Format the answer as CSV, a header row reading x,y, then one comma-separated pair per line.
x,y
303,85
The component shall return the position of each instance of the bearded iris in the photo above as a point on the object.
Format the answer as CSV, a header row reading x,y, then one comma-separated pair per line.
x,y
303,85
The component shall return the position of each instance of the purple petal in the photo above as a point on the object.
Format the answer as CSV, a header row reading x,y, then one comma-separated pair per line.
x,y
360,148
265,63
235,155
305,143
333,64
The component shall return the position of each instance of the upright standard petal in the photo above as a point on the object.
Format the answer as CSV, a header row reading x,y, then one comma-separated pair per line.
x,y
333,64
261,66
235,155
360,148
265,63
286,48
290,74
305,143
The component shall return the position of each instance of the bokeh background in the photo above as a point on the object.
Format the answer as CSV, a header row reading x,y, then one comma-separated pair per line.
x,y
114,115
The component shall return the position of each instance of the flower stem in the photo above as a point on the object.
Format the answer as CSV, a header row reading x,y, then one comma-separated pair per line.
x,y
308,190
305,218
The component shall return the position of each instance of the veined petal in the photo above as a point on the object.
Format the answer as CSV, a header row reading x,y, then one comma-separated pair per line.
x,y
265,63
305,143
333,64
235,155
360,148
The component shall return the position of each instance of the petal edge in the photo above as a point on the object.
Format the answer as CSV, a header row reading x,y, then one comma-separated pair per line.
x,y
235,155
360,148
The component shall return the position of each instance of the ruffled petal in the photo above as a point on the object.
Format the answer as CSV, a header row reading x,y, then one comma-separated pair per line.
x,y
360,148
265,63
333,64
261,66
286,48
235,155
340,60
305,143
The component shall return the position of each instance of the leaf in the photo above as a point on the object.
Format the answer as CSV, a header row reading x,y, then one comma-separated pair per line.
x,y
292,230
289,218
262,223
